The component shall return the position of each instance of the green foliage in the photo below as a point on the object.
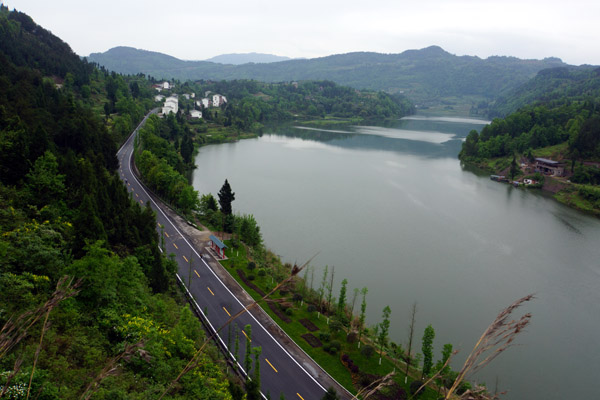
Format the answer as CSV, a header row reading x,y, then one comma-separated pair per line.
x,y
249,230
384,329
331,394
226,197
427,349
63,210
367,351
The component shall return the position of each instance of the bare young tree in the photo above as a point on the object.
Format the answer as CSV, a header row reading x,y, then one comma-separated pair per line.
x,y
411,332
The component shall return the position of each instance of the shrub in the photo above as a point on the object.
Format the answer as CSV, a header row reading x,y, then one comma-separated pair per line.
x,y
324,336
414,389
336,344
354,369
345,357
365,379
251,277
352,337
289,312
367,351
311,308
297,297
261,272
332,350
251,265
335,326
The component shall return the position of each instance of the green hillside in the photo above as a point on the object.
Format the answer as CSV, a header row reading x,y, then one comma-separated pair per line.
x,y
424,76
551,86
116,327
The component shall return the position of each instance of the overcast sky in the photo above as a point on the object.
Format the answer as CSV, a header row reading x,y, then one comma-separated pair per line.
x,y
200,29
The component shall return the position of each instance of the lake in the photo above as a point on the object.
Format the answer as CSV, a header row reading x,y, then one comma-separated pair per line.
x,y
392,209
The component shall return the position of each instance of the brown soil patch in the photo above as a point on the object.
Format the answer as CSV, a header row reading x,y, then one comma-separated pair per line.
x,y
309,325
312,340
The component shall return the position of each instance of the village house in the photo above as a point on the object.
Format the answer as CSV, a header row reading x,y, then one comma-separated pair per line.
x,y
165,85
205,102
171,105
195,114
549,167
187,96
159,97
218,100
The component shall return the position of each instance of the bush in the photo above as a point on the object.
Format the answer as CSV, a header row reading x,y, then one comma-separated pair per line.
x,y
345,357
365,379
311,308
297,297
414,387
289,312
251,277
251,265
354,369
336,344
367,351
261,272
324,336
352,337
335,326
332,350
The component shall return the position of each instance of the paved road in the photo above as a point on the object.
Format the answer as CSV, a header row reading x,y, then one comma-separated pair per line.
x,y
280,372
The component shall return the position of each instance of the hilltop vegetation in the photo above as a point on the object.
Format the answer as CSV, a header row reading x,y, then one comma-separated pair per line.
x,y
424,76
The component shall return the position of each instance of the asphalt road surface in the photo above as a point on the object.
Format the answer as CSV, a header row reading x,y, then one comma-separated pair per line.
x,y
280,371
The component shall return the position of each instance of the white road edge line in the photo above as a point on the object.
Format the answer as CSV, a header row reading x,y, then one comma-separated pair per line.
x,y
219,279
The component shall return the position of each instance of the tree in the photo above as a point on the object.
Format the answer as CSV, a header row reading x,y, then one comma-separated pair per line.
x,y
253,385
331,394
354,296
514,168
342,301
384,329
247,358
226,197
330,288
363,310
427,349
411,331
322,288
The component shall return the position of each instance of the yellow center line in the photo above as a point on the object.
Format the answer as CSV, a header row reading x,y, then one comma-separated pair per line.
x,y
229,314
300,396
141,202
166,234
186,260
211,292
197,274
136,195
268,362
244,332
175,246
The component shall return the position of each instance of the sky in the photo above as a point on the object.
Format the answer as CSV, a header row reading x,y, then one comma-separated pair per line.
x,y
201,29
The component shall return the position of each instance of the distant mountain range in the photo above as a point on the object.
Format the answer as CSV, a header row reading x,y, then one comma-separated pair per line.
x,y
424,76
245,58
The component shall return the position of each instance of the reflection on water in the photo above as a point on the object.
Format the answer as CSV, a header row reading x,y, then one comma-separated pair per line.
x,y
400,216
426,137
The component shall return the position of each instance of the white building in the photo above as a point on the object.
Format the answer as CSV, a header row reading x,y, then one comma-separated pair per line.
x,y
171,105
195,114
166,85
159,97
218,100
205,102
187,96
193,95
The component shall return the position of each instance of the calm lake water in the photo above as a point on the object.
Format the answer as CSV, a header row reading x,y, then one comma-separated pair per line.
x,y
391,208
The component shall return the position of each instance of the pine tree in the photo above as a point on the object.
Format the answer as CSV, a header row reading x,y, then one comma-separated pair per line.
x,y
226,197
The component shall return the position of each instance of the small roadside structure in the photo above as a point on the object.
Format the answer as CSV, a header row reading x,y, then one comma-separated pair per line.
x,y
549,167
218,246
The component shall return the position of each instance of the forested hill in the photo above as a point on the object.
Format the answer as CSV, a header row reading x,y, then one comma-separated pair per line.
x,y
422,75
551,86
115,328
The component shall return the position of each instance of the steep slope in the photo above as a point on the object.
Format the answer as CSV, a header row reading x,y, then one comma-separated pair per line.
x,y
555,84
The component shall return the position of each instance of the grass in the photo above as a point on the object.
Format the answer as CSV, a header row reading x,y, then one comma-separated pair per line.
x,y
238,259
558,151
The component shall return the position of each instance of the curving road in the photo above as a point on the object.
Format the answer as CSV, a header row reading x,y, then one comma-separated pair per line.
x,y
281,372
